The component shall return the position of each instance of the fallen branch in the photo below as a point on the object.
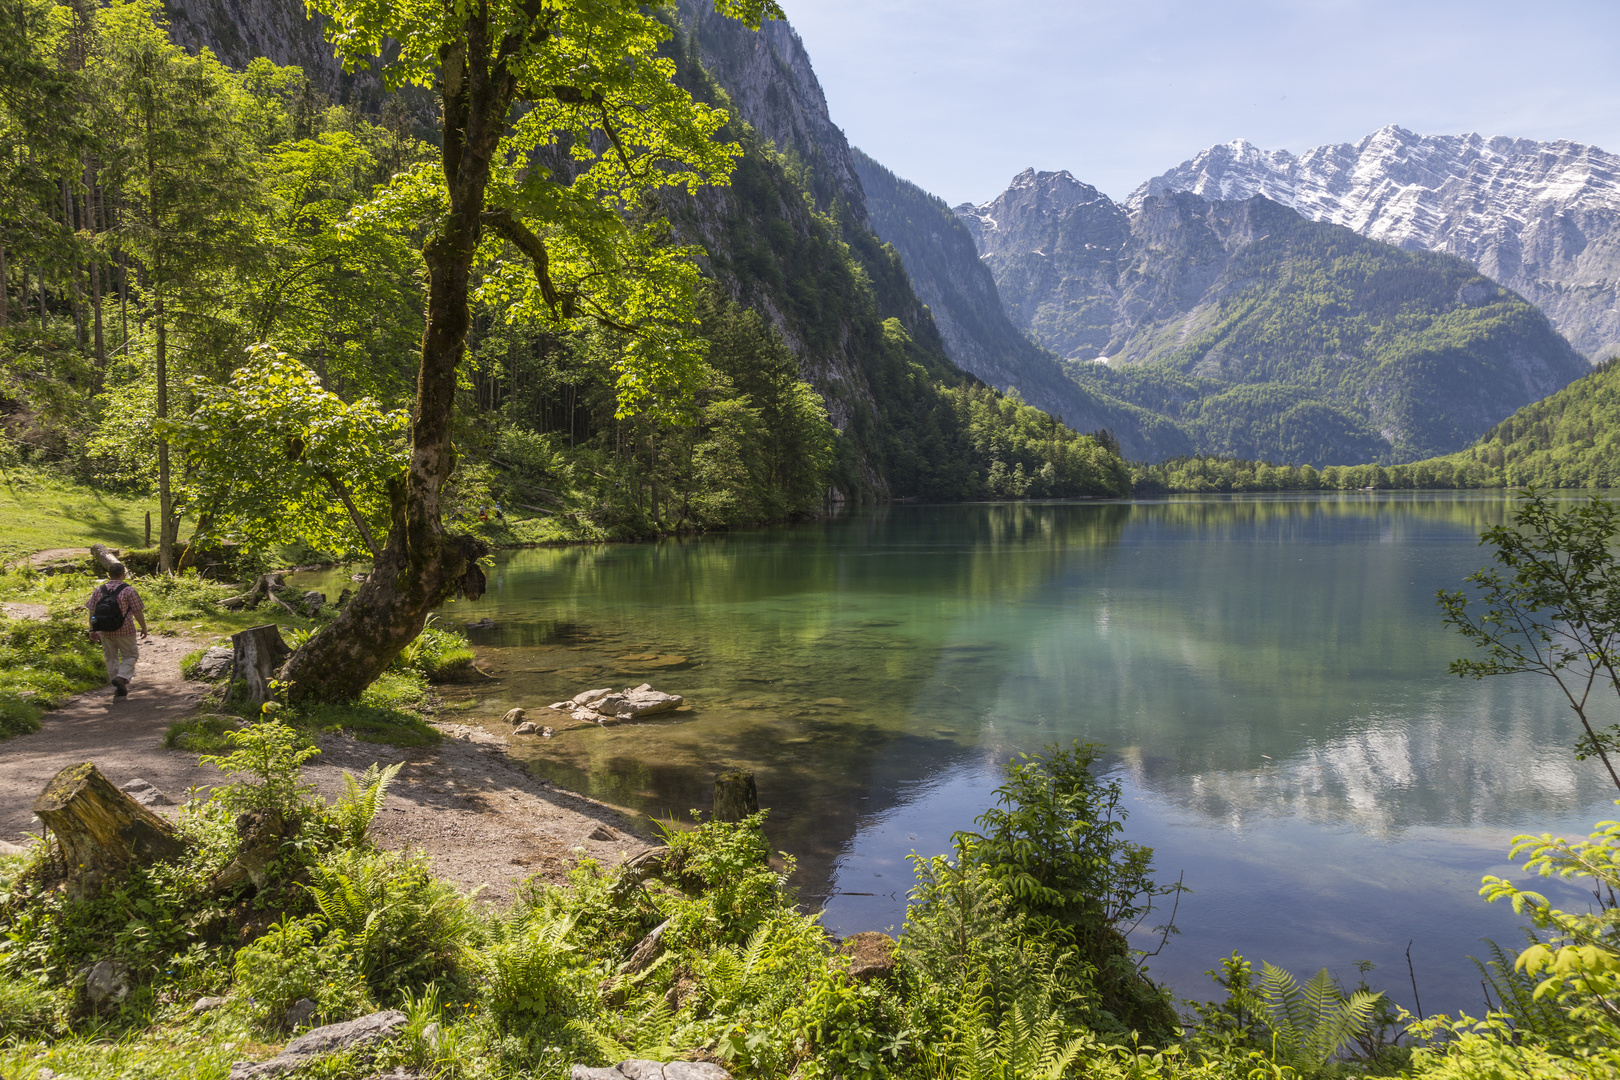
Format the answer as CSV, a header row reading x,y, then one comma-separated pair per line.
x,y
264,587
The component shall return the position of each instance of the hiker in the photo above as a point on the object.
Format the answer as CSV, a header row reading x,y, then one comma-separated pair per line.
x,y
115,610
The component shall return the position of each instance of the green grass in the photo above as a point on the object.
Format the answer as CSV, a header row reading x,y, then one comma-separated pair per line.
x,y
388,713
41,511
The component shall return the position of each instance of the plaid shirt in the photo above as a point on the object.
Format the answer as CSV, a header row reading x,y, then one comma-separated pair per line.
x,y
129,602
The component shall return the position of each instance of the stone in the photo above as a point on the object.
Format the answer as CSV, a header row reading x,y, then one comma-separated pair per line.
x,y
106,983
634,702
585,1072
561,706
514,716
207,1004
641,1069
430,1035
215,663
486,623
318,1042
314,601
871,955
358,577
694,1070
8,848
528,727
589,716
45,1073
546,733
144,793
299,1014
602,832
590,698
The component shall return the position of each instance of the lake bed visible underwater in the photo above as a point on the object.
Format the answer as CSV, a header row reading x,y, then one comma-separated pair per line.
x,y
1268,673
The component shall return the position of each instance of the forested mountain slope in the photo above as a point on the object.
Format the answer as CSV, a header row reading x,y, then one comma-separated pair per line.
x,y
1542,218
947,274
1262,334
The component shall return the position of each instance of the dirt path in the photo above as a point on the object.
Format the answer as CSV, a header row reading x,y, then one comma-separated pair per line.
x,y
482,819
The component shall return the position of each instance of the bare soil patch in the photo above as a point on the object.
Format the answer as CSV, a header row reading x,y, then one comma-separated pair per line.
x,y
482,819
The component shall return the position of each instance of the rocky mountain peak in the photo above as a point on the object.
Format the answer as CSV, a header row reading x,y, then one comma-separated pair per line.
x,y
1542,218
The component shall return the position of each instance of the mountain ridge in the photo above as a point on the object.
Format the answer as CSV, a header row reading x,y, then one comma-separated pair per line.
x,y
1542,218
1260,333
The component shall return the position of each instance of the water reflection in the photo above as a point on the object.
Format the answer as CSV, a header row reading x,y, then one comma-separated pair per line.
x,y
1268,669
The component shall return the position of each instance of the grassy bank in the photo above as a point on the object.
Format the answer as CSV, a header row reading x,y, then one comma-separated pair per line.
x,y
1007,967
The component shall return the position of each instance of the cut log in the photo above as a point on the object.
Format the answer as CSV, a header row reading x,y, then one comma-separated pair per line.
x,y
734,796
104,558
257,655
99,829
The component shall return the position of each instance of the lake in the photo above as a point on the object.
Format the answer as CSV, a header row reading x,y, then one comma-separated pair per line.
x,y
1268,673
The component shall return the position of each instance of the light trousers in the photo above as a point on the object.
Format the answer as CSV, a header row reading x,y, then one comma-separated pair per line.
x,y
120,652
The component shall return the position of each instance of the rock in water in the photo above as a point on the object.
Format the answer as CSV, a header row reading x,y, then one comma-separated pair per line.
x,y
514,717
528,727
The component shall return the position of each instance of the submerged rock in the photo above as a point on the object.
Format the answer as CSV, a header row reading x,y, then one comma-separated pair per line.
x,y
528,727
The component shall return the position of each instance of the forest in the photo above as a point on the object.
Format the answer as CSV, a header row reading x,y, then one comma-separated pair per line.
x,y
160,214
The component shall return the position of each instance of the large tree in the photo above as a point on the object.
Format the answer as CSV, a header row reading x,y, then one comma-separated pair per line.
x,y
561,123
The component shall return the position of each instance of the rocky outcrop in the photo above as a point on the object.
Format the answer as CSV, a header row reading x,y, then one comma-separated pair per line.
x,y
946,269
1542,218
772,86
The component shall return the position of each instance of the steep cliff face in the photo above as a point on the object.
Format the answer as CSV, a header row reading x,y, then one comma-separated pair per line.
x,y
947,273
1263,334
1542,218
239,30
772,87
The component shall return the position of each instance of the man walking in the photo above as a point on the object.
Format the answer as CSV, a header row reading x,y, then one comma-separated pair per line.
x,y
115,609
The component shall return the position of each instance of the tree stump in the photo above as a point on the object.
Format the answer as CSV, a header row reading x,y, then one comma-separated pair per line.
x,y
262,833
734,796
257,655
100,829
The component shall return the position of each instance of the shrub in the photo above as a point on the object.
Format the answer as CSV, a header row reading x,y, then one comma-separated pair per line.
x,y
1054,844
28,1007
273,752
297,959
403,926
435,654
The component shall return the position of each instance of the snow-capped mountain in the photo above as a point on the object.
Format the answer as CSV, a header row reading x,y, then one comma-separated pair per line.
x,y
1542,218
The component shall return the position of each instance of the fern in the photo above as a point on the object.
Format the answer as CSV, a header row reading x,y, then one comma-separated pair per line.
x,y
1516,995
362,801
1315,1021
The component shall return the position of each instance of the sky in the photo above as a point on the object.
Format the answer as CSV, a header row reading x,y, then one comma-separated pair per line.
x,y
958,97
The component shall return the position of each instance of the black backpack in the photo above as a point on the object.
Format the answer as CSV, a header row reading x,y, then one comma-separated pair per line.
x,y
108,615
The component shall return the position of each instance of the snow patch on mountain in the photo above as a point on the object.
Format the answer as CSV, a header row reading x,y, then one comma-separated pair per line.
x,y
1542,218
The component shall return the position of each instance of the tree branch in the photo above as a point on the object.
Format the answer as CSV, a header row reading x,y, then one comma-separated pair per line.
x,y
531,245
354,514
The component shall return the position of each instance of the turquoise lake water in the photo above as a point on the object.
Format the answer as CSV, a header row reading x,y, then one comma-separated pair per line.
x,y
1268,673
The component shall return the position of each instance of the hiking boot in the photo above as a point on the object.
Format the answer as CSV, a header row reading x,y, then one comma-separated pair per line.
x,y
120,688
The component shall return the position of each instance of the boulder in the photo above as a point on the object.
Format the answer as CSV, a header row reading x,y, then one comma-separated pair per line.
x,y
299,1014
590,698
207,1004
514,717
318,1042
871,955
528,727
144,793
215,663
641,1069
106,984
643,700
314,601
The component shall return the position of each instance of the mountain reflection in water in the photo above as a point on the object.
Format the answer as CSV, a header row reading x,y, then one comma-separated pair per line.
x,y
1268,672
